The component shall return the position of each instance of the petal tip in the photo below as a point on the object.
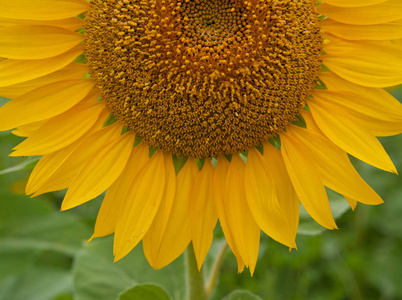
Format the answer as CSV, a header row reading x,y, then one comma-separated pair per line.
x,y
65,206
15,154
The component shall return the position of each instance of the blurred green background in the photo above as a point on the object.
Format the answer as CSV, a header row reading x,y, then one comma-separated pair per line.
x,y
43,254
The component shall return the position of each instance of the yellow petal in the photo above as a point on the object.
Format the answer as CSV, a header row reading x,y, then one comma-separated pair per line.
x,y
353,3
313,127
310,123
72,71
242,225
60,131
263,202
221,202
177,235
16,71
385,12
372,97
203,212
36,41
69,23
28,129
285,192
46,166
335,168
380,117
152,240
367,63
386,31
304,174
100,171
341,130
49,163
42,9
352,203
140,206
335,83
44,102
64,175
117,192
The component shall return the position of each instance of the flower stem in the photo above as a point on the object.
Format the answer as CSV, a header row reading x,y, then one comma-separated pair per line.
x,y
194,278
213,277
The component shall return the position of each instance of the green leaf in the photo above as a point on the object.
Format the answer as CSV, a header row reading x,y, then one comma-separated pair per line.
x,y
64,297
37,243
145,292
28,163
242,295
33,224
338,205
37,284
96,276
384,269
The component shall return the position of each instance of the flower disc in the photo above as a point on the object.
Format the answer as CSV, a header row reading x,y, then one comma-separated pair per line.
x,y
202,78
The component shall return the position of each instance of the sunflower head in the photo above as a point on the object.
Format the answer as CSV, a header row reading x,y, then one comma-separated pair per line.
x,y
201,79
204,78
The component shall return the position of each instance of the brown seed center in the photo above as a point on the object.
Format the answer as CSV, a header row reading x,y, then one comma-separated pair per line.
x,y
202,78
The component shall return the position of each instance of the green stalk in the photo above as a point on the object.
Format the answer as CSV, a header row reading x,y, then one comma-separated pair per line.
x,y
216,268
194,278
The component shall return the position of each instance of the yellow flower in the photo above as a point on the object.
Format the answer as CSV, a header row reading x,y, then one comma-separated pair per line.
x,y
204,97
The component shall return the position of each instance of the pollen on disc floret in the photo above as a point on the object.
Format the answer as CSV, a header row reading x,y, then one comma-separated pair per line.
x,y
201,78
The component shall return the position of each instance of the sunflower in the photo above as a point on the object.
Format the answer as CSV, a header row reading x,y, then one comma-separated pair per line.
x,y
190,112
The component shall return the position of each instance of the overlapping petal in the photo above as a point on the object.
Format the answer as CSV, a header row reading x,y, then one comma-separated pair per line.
x,y
382,32
380,117
347,135
203,212
116,194
335,168
153,239
140,206
353,3
42,9
65,173
360,13
36,41
285,192
50,163
60,131
70,72
14,71
177,233
43,102
72,23
99,172
263,202
240,220
304,174
367,63
28,129
221,204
